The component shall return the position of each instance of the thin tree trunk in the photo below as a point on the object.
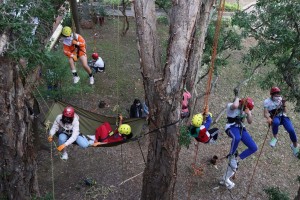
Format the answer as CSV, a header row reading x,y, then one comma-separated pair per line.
x,y
163,88
17,163
74,10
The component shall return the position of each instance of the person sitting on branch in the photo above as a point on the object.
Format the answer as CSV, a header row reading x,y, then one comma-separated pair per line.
x,y
74,48
237,112
104,133
275,113
200,130
67,127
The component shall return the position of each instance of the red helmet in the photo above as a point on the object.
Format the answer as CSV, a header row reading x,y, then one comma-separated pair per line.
x,y
247,102
95,56
274,90
69,112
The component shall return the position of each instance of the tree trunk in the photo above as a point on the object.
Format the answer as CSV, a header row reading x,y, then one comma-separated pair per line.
x,y
74,10
298,195
17,163
163,85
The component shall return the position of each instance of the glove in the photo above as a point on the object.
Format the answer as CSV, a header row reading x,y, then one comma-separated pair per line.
x,y
75,42
50,138
269,120
111,133
61,147
74,57
236,92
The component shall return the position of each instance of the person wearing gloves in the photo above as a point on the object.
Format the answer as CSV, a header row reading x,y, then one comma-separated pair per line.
x,y
67,126
275,113
74,48
237,112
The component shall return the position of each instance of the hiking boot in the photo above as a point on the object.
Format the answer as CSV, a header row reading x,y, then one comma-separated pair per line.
x,y
64,156
295,150
273,142
92,81
76,79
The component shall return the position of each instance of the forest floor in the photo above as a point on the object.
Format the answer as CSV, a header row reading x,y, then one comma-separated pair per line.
x,y
118,170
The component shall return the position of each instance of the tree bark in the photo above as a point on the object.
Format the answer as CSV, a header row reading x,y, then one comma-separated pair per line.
x,y
17,163
74,10
163,85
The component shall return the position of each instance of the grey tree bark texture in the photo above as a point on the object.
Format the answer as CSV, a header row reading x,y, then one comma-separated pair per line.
x,y
164,82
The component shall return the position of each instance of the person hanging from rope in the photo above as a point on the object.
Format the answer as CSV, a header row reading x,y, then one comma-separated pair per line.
x,y
275,113
184,104
200,130
237,112
104,133
67,127
97,63
74,48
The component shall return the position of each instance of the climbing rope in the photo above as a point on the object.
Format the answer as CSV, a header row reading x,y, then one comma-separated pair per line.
x,y
196,169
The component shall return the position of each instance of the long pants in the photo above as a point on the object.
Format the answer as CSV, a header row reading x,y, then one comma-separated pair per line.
x,y
81,141
240,134
287,124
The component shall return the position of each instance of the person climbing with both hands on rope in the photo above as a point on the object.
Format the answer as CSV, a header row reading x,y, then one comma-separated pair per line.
x,y
67,126
74,47
104,133
199,129
237,112
275,113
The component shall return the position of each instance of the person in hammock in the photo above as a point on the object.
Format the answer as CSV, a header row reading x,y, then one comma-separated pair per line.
x,y
275,113
104,133
67,127
237,112
200,130
184,104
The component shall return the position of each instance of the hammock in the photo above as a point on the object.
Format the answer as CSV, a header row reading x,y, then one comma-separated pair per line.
x,y
90,121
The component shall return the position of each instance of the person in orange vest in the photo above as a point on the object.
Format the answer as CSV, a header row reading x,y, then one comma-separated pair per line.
x,y
74,48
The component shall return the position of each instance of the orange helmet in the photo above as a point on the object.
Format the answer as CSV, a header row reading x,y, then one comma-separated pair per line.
x,y
247,103
95,56
274,90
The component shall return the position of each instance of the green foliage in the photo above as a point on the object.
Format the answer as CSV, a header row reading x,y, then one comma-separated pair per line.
x,y
47,196
163,20
184,137
164,4
275,193
275,26
231,7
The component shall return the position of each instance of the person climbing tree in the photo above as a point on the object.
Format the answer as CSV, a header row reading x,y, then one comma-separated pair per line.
x,y
184,104
235,128
199,129
67,127
275,113
104,133
74,47
97,63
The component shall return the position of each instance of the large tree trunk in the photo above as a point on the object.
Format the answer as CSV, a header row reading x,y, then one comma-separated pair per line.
x,y
17,163
163,85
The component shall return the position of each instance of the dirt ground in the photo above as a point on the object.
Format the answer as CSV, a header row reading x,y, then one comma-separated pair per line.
x,y
118,170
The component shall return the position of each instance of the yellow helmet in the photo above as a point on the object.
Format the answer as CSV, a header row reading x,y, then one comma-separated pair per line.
x,y
67,31
197,120
124,129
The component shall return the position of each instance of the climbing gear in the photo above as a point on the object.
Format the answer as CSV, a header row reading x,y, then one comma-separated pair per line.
x,y
197,120
67,31
124,129
247,103
274,90
295,150
64,156
61,147
273,142
95,56
69,112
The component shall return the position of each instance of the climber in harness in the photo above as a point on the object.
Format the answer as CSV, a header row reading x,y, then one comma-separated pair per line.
x,y
104,133
200,130
275,113
237,112
67,127
74,48
97,63
184,104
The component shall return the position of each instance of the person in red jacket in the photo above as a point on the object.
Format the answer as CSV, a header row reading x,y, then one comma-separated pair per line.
x,y
104,133
74,48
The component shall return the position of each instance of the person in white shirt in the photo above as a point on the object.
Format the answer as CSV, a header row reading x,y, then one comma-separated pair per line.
x,y
67,126
98,63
